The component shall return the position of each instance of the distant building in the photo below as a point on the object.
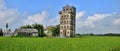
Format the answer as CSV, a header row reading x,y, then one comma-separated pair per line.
x,y
7,33
47,31
67,21
26,32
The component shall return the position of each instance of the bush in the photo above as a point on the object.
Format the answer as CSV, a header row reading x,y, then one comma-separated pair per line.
x,y
18,35
78,35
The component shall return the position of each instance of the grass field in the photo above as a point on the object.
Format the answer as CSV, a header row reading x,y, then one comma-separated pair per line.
x,y
86,43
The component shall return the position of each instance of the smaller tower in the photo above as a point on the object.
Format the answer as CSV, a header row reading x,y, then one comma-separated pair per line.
x,y
6,26
7,30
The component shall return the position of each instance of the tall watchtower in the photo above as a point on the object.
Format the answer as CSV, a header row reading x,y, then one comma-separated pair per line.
x,y
67,21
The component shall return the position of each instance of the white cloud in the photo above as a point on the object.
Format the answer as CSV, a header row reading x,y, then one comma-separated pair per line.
x,y
90,20
54,21
117,21
2,5
42,18
7,15
98,23
79,21
10,16
37,18
96,17
80,14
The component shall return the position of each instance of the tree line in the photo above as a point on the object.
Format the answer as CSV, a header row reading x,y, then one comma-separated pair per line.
x,y
40,28
92,34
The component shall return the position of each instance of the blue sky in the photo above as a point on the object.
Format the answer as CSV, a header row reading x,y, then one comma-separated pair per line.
x,y
33,6
93,16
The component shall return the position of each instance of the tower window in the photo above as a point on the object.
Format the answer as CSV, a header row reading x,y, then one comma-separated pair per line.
x,y
67,21
64,15
67,26
64,27
66,9
64,22
68,32
63,9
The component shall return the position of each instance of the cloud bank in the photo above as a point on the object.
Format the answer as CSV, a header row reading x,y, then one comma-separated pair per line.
x,y
97,23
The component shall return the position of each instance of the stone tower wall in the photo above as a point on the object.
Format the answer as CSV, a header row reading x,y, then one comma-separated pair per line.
x,y
67,21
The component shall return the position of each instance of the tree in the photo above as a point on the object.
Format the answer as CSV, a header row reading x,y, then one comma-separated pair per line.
x,y
40,29
51,30
1,32
26,26
54,30
91,34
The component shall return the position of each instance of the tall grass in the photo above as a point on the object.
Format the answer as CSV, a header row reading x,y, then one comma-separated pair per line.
x,y
89,43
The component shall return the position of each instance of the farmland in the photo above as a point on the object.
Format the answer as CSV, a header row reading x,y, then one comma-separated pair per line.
x,y
85,43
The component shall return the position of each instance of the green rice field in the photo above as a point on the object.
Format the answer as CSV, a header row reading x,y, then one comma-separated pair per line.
x,y
84,43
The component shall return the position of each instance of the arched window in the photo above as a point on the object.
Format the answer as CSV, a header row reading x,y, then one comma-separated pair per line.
x,y
70,9
64,27
66,9
64,22
67,26
68,32
63,9
67,21
64,15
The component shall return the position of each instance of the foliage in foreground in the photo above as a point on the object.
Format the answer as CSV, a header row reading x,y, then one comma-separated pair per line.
x,y
84,43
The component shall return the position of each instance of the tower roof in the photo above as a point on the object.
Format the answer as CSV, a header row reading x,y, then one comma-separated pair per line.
x,y
6,25
68,6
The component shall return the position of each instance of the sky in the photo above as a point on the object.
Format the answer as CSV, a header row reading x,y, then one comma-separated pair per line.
x,y
92,16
